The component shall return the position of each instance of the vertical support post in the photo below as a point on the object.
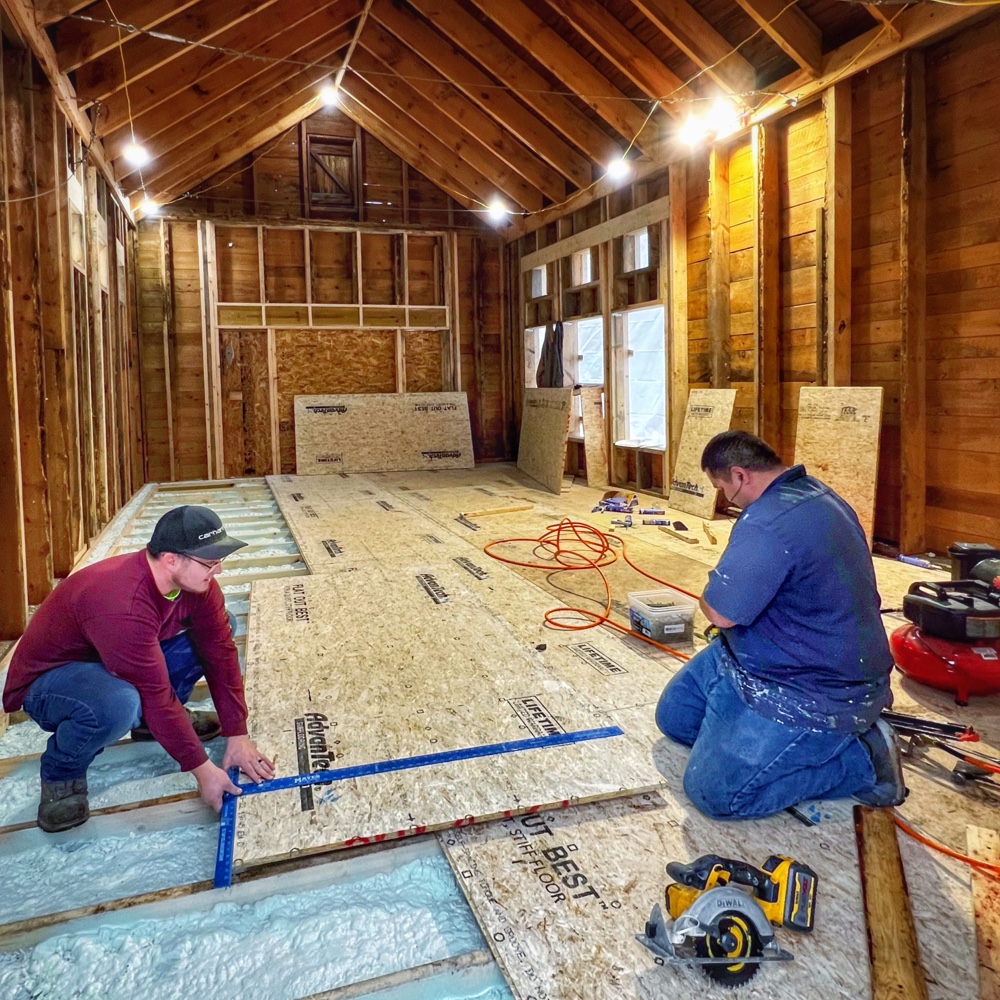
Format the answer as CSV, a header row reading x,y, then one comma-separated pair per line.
x,y
208,375
449,251
98,370
166,292
674,291
913,307
837,105
718,266
767,268
272,389
24,282
604,254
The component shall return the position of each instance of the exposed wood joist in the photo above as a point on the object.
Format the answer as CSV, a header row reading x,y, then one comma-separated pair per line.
x,y
462,112
201,69
495,174
913,308
434,149
190,137
878,15
767,286
532,88
467,77
794,33
617,44
98,79
674,288
593,88
837,271
50,11
79,41
203,82
694,36
718,266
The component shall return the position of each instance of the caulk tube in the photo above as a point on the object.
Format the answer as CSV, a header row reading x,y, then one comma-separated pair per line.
x,y
655,520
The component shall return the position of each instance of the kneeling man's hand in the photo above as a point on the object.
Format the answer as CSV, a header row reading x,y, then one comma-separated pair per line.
x,y
241,752
213,782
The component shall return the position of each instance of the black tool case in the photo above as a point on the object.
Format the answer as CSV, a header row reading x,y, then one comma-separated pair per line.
x,y
963,610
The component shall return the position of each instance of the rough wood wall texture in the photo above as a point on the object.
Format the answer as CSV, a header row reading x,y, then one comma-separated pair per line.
x,y
594,436
382,433
709,412
541,452
837,441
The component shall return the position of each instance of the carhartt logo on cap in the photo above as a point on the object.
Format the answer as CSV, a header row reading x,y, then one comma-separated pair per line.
x,y
211,534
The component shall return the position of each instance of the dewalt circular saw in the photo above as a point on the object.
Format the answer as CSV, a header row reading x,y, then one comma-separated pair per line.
x,y
724,929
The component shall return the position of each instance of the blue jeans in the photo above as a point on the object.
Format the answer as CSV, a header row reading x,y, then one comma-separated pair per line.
x,y
87,709
744,765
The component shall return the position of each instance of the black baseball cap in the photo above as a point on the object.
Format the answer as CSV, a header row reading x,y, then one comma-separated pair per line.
x,y
193,531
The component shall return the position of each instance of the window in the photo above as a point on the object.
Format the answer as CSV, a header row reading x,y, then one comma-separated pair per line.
x,y
635,249
539,282
331,173
639,346
581,268
583,351
534,337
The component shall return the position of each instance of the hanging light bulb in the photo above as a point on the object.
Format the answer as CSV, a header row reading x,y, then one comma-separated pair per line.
x,y
723,118
149,207
136,154
618,168
498,211
329,96
693,131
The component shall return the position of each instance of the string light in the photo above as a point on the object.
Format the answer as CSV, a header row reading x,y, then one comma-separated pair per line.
x,y
497,212
136,155
619,168
149,207
330,96
693,131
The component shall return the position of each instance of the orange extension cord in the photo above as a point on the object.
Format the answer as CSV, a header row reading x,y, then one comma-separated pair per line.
x,y
572,546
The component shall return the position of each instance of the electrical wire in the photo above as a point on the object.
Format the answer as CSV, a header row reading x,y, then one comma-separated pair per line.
x,y
983,867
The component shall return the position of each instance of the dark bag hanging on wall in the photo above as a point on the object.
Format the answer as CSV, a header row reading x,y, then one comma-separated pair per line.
x,y
550,373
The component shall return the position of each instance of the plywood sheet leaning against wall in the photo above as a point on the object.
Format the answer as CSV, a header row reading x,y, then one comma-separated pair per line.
x,y
594,442
544,432
836,440
561,896
382,433
709,412
984,845
376,665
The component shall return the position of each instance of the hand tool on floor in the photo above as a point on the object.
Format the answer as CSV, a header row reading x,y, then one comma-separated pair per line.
x,y
464,519
953,640
498,510
680,535
720,927
627,523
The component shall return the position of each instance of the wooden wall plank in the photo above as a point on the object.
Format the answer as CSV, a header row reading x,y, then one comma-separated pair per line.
x,y
718,267
676,284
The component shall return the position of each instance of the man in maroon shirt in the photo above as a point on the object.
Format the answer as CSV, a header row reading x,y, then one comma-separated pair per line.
x,y
118,646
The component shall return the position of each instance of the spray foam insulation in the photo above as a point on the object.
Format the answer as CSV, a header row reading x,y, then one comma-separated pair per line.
x,y
358,667
382,432
541,452
709,412
837,438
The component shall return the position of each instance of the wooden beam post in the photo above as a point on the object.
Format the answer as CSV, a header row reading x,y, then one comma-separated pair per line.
x,y
718,266
837,105
674,289
767,293
913,307
25,280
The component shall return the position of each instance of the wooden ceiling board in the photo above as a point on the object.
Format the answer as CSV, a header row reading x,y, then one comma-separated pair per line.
x,y
840,21
50,12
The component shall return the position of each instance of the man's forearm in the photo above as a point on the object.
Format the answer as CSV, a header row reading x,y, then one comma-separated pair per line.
x,y
719,621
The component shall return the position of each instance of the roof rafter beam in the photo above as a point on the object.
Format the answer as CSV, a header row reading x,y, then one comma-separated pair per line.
x,y
484,47
793,32
99,78
462,112
468,78
701,43
592,87
49,11
617,44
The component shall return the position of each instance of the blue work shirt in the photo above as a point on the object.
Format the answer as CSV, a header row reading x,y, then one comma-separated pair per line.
x,y
807,647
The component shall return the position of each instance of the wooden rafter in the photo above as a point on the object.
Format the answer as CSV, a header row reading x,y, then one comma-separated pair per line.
x,y
462,113
593,88
50,11
467,77
200,76
879,16
428,117
482,45
697,39
97,79
79,41
197,145
794,33
617,44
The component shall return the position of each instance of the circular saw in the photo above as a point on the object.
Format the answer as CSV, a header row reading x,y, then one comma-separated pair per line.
x,y
720,927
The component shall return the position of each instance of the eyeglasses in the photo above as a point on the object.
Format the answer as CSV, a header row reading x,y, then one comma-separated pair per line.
x,y
214,564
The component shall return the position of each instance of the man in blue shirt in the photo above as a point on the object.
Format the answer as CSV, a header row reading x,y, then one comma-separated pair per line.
x,y
784,705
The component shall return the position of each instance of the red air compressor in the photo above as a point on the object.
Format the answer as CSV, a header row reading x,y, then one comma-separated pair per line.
x,y
953,643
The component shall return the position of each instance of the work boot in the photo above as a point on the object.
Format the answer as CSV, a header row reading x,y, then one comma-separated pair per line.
x,y
883,747
206,727
63,805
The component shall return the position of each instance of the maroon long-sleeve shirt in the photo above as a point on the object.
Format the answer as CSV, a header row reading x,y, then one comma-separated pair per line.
x,y
112,613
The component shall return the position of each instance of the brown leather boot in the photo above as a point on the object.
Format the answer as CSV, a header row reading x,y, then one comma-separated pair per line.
x,y
206,727
63,805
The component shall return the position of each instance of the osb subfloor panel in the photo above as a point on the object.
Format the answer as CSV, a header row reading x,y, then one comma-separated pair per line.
x,y
541,452
615,674
383,664
709,412
382,432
